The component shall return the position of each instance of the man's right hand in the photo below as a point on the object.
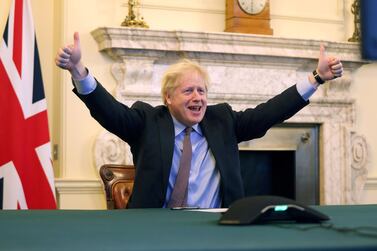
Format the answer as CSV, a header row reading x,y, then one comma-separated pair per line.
x,y
69,58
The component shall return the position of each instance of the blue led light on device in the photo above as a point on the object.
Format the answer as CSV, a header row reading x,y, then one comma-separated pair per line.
x,y
280,208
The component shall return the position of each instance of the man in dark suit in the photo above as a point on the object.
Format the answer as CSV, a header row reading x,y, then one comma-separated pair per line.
x,y
156,134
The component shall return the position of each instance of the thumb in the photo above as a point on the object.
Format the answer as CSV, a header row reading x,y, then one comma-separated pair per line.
x,y
322,52
76,40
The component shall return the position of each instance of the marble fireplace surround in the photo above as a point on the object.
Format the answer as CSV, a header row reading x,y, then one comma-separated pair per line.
x,y
245,70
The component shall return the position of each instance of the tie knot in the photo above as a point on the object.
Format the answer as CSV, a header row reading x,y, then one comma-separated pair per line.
x,y
188,130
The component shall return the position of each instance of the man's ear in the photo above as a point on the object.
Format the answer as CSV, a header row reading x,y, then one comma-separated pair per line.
x,y
168,99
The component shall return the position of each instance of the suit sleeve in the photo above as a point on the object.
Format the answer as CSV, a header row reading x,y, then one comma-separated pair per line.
x,y
254,122
123,121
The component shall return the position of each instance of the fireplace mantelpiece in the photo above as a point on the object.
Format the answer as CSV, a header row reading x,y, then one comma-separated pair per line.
x,y
245,70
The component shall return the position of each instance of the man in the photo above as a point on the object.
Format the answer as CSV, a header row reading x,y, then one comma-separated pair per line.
x,y
206,137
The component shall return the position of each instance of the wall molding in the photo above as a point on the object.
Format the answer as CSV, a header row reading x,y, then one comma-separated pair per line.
x,y
179,9
336,21
308,19
78,186
371,183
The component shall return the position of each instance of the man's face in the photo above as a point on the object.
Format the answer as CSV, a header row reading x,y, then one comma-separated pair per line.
x,y
188,102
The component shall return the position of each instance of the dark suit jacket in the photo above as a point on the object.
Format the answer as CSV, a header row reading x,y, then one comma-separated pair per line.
x,y
150,133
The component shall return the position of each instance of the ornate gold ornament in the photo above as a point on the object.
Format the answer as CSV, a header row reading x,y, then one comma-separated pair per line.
x,y
355,9
133,19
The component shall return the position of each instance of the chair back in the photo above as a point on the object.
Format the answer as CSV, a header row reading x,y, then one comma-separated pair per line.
x,y
118,182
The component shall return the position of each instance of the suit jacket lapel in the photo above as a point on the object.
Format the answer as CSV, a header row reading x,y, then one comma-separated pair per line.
x,y
214,139
166,130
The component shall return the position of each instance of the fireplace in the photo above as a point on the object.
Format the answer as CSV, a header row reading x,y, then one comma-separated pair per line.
x,y
285,162
246,70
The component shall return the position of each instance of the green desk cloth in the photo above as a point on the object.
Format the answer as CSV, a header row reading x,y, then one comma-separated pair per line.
x,y
353,228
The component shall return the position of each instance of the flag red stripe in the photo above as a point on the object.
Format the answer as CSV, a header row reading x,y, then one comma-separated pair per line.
x,y
17,35
18,140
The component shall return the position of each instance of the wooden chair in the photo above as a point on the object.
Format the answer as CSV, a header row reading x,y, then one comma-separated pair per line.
x,y
118,181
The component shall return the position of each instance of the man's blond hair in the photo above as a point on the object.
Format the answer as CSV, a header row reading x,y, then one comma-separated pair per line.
x,y
175,71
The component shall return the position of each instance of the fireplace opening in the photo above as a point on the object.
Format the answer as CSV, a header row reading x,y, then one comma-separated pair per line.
x,y
268,173
285,162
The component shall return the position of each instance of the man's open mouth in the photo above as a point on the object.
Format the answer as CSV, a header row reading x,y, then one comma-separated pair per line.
x,y
195,108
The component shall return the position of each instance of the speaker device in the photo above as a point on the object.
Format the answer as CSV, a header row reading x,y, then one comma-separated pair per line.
x,y
265,209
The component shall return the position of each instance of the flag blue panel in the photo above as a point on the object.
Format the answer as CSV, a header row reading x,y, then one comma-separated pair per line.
x,y
5,34
1,192
38,91
368,21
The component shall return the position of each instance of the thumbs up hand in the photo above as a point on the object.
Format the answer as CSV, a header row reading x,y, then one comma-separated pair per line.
x,y
328,67
69,58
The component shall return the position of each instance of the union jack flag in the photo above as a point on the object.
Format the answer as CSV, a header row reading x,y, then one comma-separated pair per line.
x,y
26,173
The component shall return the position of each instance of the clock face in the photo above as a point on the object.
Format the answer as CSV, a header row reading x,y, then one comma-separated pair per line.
x,y
252,7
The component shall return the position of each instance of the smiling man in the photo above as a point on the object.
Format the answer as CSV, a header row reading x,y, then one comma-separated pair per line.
x,y
185,152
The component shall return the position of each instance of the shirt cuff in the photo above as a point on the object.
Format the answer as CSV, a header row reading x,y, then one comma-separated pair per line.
x,y
305,89
86,85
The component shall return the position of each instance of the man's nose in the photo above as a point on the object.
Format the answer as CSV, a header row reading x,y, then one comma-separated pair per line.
x,y
195,94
